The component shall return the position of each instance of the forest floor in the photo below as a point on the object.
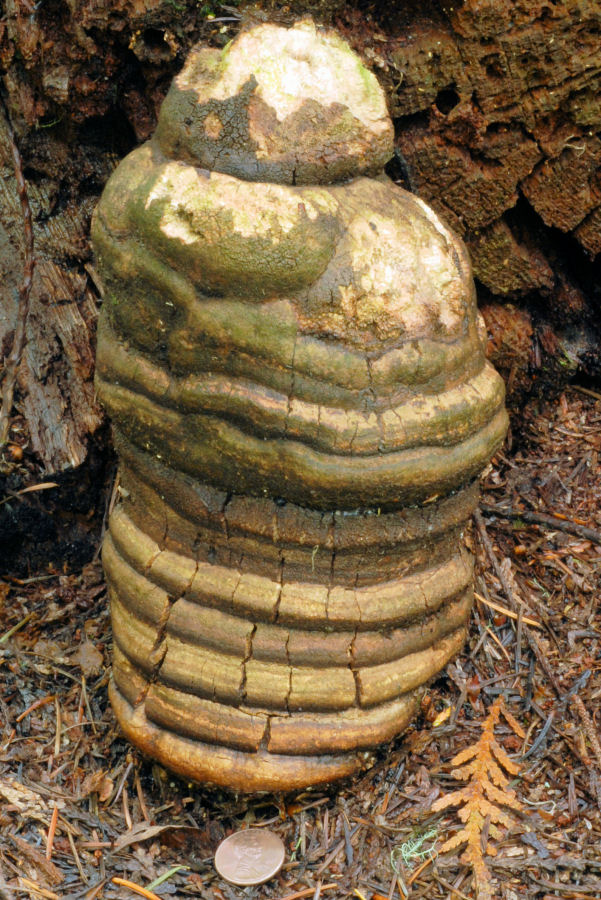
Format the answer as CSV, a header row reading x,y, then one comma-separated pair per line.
x,y
80,809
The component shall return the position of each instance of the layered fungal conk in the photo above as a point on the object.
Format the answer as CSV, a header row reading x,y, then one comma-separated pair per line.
x,y
291,355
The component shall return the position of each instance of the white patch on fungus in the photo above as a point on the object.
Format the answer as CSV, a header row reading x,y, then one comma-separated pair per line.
x,y
292,66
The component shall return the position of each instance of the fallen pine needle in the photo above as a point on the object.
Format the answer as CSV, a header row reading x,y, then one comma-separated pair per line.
x,y
453,890
358,894
499,644
8,634
59,725
165,876
43,486
419,870
309,892
95,890
36,889
583,390
41,702
141,800
95,845
75,856
506,612
136,888
51,832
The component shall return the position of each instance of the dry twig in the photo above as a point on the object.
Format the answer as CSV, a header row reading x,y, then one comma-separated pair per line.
x,y
563,524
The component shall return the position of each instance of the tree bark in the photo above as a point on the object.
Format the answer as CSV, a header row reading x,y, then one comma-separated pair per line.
x,y
57,364
499,110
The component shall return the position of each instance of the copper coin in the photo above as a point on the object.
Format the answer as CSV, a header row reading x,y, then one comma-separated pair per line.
x,y
251,856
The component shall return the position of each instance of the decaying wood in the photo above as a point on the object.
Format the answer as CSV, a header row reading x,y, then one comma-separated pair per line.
x,y
498,112
56,367
18,340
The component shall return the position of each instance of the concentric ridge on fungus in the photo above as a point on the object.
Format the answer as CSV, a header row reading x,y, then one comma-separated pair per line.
x,y
294,365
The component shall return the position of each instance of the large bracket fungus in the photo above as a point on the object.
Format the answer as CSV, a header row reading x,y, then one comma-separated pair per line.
x,y
292,358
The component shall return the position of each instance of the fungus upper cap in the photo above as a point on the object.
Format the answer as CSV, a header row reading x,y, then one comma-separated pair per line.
x,y
288,105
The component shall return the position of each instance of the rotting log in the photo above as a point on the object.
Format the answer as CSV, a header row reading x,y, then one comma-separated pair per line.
x,y
47,338
498,112
293,361
57,366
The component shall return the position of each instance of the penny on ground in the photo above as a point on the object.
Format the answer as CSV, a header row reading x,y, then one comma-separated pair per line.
x,y
250,857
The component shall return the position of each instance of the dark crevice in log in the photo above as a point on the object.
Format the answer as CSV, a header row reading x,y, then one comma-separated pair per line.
x,y
59,529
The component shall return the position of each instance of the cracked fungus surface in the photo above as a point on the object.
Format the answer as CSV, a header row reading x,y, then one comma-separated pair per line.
x,y
290,105
291,67
294,365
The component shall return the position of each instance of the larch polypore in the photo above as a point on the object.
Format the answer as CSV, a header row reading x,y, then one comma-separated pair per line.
x,y
293,361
